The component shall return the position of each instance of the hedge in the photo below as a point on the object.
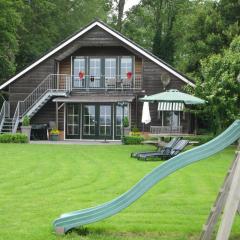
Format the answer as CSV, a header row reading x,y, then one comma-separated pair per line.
x,y
132,140
13,138
201,139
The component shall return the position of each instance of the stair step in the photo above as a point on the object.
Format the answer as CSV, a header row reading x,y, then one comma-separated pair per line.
x,y
6,128
4,131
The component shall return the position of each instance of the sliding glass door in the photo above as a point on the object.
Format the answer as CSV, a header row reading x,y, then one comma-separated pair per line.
x,y
94,120
97,121
89,121
79,72
73,121
95,73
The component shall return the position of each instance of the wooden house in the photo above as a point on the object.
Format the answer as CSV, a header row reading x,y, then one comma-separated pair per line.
x,y
80,85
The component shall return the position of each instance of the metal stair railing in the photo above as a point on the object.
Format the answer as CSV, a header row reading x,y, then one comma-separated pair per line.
x,y
5,112
53,83
15,119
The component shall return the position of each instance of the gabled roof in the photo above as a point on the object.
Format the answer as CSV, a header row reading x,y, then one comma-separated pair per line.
x,y
114,33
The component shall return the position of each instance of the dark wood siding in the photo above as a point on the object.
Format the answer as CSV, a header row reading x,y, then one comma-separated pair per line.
x,y
48,113
23,86
95,42
152,84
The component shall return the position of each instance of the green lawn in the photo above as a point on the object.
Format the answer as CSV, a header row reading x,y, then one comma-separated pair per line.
x,y
39,182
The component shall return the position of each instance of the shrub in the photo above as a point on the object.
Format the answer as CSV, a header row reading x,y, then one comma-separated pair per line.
x,y
26,121
135,133
13,138
135,129
201,139
132,140
54,132
125,122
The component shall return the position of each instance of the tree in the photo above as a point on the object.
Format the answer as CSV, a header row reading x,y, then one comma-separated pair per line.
x,y
198,29
10,20
151,24
138,26
121,4
220,87
48,22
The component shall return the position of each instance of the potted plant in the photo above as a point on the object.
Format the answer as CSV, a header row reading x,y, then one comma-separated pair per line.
x,y
54,135
126,126
26,127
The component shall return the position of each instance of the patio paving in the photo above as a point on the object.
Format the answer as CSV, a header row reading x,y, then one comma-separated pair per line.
x,y
80,142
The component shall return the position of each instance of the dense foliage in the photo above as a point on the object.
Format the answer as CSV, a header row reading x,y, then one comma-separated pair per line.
x,y
29,28
13,138
192,35
220,87
132,140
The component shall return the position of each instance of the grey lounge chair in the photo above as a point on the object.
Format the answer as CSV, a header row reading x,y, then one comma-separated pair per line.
x,y
168,153
168,146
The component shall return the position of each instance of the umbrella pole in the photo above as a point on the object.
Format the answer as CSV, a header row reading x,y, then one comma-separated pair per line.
x,y
172,118
195,120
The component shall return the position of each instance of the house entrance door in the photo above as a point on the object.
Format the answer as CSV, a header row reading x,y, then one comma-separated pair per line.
x,y
97,121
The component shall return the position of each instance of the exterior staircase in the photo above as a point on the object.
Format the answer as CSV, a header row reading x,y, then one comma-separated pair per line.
x,y
54,85
7,126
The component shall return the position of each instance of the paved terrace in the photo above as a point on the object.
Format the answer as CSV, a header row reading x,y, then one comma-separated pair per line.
x,y
81,142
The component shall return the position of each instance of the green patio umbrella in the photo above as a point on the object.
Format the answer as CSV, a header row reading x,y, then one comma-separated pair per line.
x,y
173,95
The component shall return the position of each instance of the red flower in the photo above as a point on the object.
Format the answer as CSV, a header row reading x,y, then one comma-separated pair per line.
x,y
129,75
81,75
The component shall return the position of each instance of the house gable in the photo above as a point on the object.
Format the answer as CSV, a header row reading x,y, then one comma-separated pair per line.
x,y
108,37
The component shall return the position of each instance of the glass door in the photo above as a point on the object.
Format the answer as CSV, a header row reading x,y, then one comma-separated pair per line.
x,y
105,122
73,121
97,121
119,119
95,73
89,121
79,72
110,73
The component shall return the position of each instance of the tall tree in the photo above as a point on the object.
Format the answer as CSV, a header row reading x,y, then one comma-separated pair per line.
x,y
220,87
159,16
138,26
47,22
10,21
203,27
121,4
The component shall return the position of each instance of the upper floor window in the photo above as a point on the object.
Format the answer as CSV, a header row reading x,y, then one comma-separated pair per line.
x,y
110,67
79,71
126,67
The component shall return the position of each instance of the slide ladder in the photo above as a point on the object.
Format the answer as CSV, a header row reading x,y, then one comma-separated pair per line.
x,y
79,218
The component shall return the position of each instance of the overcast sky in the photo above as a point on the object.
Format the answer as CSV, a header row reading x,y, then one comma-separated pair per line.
x,y
130,3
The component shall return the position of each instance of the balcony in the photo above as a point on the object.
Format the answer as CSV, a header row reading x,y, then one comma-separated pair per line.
x,y
115,83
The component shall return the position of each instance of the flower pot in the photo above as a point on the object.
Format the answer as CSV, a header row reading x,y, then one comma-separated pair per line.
x,y
27,131
126,131
54,137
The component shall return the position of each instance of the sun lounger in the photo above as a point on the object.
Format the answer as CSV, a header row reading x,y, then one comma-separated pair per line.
x,y
168,153
167,147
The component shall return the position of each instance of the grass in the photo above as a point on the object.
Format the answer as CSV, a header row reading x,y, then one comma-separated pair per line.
x,y
39,182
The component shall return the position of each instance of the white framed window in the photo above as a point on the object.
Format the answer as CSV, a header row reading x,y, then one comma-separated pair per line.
x,y
126,66
110,67
79,72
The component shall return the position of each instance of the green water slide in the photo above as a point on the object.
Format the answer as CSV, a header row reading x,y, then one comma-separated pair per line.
x,y
79,218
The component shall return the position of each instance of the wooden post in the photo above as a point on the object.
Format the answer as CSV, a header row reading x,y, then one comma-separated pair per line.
x,y
239,208
57,115
232,205
219,204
